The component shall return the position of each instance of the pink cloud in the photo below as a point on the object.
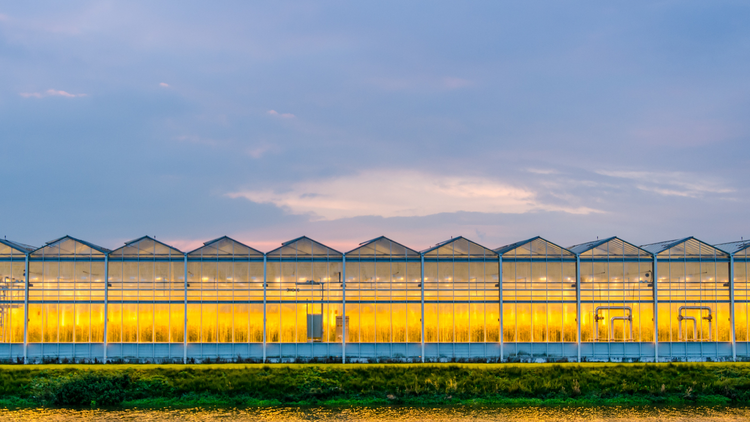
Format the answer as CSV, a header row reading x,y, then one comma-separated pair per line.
x,y
50,93
282,115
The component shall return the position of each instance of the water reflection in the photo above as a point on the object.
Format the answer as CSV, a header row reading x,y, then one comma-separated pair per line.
x,y
401,414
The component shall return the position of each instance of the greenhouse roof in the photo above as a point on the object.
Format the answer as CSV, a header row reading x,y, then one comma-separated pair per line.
x,y
70,247
741,247
9,247
382,247
610,247
536,247
225,247
304,247
688,247
146,247
459,247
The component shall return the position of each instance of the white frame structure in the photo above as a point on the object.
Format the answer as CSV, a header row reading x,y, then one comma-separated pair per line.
x,y
457,283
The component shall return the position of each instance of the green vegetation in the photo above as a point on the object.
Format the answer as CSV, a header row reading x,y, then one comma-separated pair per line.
x,y
344,385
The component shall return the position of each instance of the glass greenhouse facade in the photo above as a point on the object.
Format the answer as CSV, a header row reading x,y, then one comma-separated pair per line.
x,y
530,301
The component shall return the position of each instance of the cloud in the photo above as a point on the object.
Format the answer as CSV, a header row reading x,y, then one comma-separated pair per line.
x,y
164,84
672,183
259,151
402,193
281,115
542,171
50,93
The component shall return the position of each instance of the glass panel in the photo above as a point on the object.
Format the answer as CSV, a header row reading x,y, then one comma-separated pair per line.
x,y
256,323
82,322
226,323
400,320
225,247
67,323
288,323
145,322
273,323
114,323
177,323
304,247
477,322
67,247
459,248
146,247
523,322
209,329
51,316
382,247
383,323
97,323
161,322
367,323
194,323
35,323
461,322
509,322
539,322
741,321
129,323
431,322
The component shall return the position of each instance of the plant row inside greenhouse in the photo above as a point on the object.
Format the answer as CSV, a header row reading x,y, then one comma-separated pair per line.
x,y
533,291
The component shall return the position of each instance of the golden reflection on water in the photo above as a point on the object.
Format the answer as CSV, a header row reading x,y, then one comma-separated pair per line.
x,y
401,414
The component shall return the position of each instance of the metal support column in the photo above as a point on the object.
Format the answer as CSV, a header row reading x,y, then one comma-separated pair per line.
x,y
500,296
106,305
578,303
185,322
265,284
26,311
422,319
655,281
344,325
731,306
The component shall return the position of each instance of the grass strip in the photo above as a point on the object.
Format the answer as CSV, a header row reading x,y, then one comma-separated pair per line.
x,y
238,385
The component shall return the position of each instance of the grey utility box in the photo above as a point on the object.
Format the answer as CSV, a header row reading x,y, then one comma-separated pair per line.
x,y
314,327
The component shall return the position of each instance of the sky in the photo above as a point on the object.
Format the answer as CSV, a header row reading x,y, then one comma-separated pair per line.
x,y
344,121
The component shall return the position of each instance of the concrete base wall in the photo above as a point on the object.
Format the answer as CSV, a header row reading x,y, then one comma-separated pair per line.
x,y
372,352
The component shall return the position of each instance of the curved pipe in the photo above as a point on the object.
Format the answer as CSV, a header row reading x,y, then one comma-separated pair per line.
x,y
628,318
681,318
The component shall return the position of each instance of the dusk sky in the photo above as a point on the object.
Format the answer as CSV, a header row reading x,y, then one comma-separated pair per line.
x,y
344,121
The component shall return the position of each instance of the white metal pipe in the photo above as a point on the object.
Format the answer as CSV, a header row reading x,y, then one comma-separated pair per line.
x,y
26,311
106,304
655,282
679,326
344,325
265,285
731,307
500,289
422,319
681,317
628,317
578,303
185,319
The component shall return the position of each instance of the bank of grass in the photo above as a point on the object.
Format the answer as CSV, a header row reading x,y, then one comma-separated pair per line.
x,y
240,385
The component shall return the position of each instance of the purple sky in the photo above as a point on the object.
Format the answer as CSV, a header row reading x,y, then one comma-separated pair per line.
x,y
344,121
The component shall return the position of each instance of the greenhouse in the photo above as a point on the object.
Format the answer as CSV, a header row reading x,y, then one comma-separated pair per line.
x,y
531,301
